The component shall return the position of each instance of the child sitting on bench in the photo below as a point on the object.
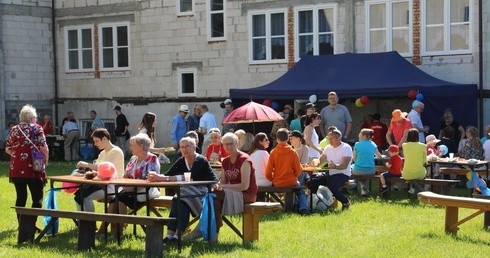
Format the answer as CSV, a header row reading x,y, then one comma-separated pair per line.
x,y
394,166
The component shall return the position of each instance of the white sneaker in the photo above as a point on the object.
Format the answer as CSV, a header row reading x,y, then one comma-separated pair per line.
x,y
411,191
364,191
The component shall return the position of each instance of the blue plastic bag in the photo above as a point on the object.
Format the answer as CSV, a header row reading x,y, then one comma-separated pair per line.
x,y
206,214
51,204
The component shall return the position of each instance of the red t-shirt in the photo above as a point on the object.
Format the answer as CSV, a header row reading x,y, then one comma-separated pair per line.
x,y
21,159
47,127
396,165
379,133
399,129
218,152
234,176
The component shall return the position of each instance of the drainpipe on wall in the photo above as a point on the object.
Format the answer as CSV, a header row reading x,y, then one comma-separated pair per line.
x,y
480,65
3,84
55,62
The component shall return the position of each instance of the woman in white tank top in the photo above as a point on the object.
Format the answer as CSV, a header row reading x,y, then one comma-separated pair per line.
x,y
311,137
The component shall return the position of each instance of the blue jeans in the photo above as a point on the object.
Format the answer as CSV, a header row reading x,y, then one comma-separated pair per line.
x,y
334,184
302,200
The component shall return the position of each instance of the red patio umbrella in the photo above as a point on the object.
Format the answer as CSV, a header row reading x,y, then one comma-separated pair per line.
x,y
252,112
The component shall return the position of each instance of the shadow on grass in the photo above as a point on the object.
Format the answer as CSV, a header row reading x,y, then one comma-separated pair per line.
x,y
465,239
4,235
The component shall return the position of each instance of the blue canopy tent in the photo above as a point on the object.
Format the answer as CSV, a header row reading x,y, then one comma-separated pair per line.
x,y
378,75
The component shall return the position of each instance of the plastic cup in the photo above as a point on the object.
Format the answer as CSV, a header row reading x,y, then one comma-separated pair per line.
x,y
187,176
451,155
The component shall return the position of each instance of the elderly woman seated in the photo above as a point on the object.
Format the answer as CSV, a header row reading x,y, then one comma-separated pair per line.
x,y
200,171
236,187
139,166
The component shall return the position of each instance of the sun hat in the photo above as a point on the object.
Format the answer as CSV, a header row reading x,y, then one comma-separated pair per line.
x,y
393,148
431,139
184,108
398,115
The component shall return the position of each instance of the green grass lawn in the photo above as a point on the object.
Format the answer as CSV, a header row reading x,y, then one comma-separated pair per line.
x,y
371,228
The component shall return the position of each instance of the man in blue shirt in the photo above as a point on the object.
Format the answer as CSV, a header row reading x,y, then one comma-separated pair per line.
x,y
96,122
179,126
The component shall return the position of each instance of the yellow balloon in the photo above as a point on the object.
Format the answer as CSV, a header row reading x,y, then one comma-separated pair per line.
x,y
359,103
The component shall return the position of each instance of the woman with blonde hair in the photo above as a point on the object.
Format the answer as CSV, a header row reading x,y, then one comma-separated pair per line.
x,y
245,141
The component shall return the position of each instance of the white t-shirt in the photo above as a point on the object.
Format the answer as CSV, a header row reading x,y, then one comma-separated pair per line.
x,y
259,161
336,155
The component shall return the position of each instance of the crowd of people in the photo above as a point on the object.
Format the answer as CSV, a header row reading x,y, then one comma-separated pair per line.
x,y
247,160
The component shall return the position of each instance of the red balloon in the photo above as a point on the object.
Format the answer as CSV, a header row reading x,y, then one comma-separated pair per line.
x,y
267,102
412,94
73,187
364,100
106,170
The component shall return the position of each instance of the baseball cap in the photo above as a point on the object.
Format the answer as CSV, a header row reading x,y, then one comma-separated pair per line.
x,y
310,105
117,108
184,108
393,148
296,133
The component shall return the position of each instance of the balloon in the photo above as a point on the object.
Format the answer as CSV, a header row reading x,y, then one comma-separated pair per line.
x,y
415,103
364,100
267,102
419,97
412,94
313,98
106,170
443,150
359,103
69,187
275,105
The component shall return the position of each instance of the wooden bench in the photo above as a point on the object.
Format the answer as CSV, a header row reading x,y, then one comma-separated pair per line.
x,y
452,204
251,219
289,193
87,226
441,186
486,215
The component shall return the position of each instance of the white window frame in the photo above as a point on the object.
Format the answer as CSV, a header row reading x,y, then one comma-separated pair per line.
x,y
181,71
268,59
447,30
179,13
389,25
209,25
315,32
79,49
115,56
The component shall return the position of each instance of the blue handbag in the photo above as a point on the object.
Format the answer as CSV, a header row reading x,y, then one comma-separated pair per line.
x,y
207,214
51,204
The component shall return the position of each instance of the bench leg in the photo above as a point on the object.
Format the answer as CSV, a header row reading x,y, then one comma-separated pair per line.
x,y
27,228
86,234
486,220
289,201
250,227
451,220
154,240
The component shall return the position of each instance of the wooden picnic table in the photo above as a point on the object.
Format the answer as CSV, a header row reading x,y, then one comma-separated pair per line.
x,y
128,182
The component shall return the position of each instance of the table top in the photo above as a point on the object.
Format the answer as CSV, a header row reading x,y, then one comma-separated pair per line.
x,y
124,181
457,161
